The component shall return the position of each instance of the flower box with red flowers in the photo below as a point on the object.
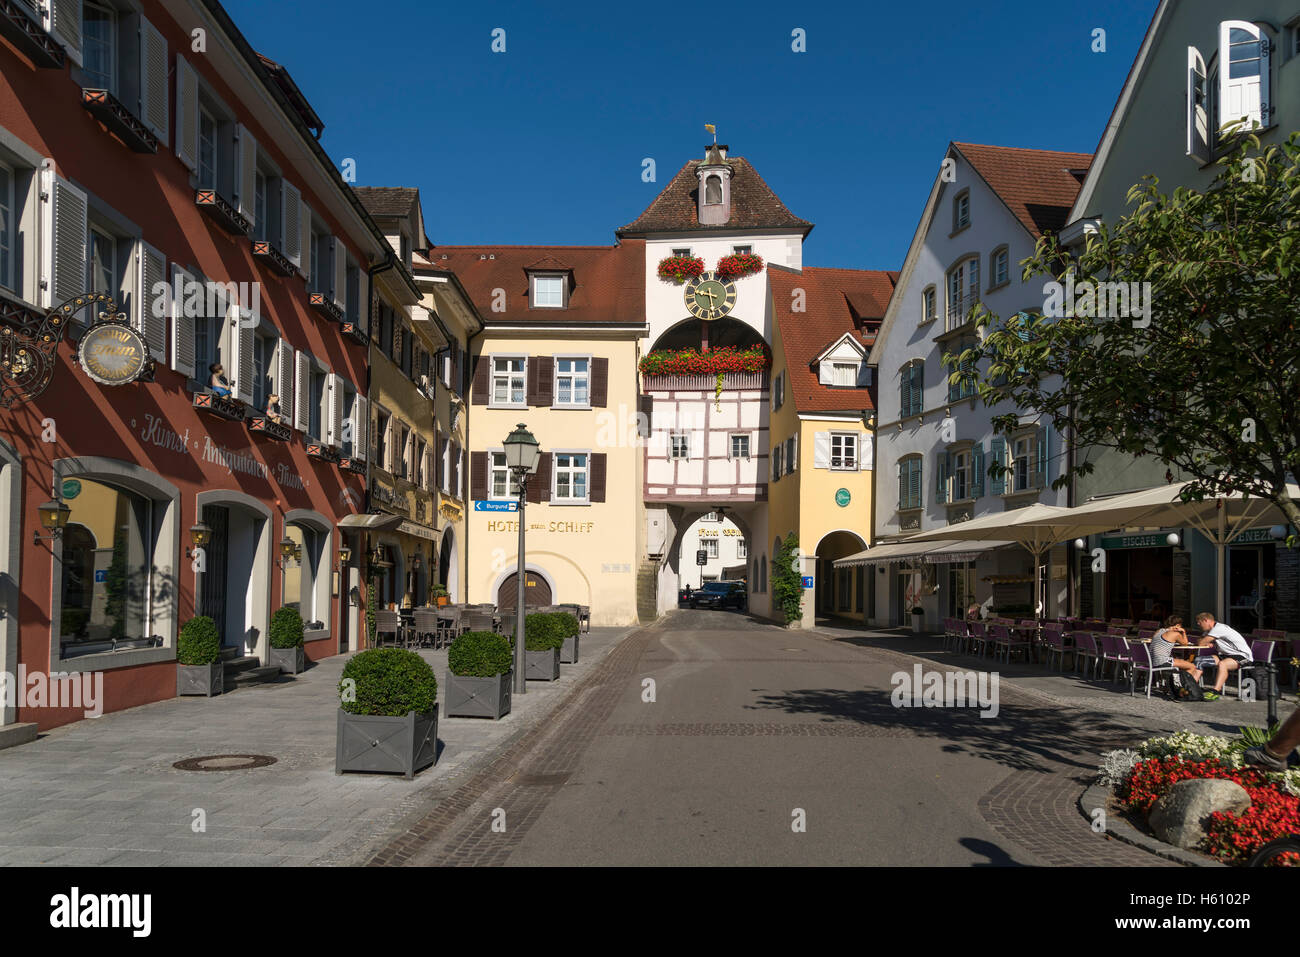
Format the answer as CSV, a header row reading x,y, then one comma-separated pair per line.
x,y
741,264
693,362
680,268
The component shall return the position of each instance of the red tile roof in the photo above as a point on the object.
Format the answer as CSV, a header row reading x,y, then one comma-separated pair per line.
x,y
836,301
608,284
1038,186
753,204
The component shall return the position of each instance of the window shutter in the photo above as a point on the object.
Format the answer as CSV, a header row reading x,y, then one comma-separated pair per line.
x,y
599,391
998,454
596,480
866,452
301,391
334,428
478,475
63,240
241,337
977,470
458,462
438,456
481,387
941,476
63,21
246,172
339,272
182,326
154,88
790,463
1040,471
539,485
361,428
284,386
821,450
1243,97
290,222
187,114
149,313
826,372
1198,121
541,376
304,223
864,376
914,484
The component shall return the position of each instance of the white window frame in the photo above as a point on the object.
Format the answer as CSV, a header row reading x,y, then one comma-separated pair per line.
x,y
497,465
570,470
509,376
742,550
710,546
961,211
573,377
964,471
1028,440
731,445
742,250
1001,258
679,446
535,299
849,371
968,273
848,451
683,251
929,304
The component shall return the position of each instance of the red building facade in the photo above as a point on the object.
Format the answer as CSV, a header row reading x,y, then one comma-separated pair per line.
x,y
153,153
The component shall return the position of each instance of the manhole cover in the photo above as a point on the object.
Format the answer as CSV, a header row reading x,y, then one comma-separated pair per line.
x,y
224,762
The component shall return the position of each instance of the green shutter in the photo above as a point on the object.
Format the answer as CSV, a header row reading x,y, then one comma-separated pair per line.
x,y
914,486
977,470
1041,476
941,477
998,453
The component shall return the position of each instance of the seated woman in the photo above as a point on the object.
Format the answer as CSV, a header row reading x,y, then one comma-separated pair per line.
x,y
218,383
1162,645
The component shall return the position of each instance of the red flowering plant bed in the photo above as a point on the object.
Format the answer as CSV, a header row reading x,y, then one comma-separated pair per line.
x,y
1232,838
680,268
719,360
738,265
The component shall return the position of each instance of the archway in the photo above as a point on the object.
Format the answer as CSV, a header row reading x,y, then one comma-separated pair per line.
x,y
449,564
721,332
234,588
537,591
838,592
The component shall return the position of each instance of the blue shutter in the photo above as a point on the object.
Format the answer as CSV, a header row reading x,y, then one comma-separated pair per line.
x,y
977,470
998,453
941,477
914,486
918,392
905,393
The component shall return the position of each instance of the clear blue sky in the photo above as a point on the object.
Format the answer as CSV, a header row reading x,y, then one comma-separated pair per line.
x,y
543,144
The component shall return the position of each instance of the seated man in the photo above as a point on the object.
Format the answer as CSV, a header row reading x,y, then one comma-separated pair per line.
x,y
1231,650
1162,645
217,383
1273,755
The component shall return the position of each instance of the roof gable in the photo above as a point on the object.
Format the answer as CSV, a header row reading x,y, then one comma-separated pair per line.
x,y
753,204
1037,186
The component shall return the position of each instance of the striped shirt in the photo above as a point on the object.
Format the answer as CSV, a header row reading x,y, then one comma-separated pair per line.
x,y
1162,648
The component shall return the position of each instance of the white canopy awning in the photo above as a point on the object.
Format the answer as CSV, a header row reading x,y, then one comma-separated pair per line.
x,y
910,550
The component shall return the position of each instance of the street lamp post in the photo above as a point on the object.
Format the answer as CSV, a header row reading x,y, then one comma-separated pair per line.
x,y
523,452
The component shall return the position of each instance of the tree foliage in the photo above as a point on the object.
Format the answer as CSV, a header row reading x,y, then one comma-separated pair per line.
x,y
1206,382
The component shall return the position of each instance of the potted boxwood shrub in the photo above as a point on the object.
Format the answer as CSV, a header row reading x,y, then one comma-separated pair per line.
x,y
286,641
543,637
198,652
918,619
479,669
569,627
388,713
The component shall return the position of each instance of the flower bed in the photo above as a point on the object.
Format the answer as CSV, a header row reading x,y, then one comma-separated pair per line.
x,y
719,360
738,265
1143,776
680,268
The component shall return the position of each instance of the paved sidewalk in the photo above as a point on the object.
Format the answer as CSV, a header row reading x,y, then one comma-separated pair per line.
x,y
104,791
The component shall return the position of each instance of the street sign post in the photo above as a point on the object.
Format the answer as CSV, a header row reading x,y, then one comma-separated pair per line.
x,y
492,505
701,557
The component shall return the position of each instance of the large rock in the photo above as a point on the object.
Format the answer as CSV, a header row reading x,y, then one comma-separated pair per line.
x,y
1179,817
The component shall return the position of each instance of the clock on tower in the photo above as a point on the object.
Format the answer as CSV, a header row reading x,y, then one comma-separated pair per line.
x,y
709,297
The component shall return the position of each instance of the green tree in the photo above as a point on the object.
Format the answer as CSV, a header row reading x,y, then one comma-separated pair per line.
x,y
1207,380
787,579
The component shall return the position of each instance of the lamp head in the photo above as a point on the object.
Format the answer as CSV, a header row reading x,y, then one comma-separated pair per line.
x,y
523,451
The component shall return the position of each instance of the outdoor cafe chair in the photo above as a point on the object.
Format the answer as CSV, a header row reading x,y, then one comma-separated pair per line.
x,y
478,621
1115,649
1122,622
951,636
1262,653
425,626
1148,625
1015,639
1085,646
1146,634
1054,640
388,623
979,637
1141,661
1116,630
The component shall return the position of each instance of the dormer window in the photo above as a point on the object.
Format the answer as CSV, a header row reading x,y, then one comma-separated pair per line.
x,y
713,190
548,292
844,373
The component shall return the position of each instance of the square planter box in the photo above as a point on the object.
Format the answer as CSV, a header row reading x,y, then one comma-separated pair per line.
x,y
465,697
386,745
569,651
542,665
206,680
290,661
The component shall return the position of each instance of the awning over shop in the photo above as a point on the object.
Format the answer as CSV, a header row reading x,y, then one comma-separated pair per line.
x,y
371,522
416,530
939,552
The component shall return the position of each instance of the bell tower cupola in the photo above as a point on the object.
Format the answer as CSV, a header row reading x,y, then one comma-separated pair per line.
x,y
714,176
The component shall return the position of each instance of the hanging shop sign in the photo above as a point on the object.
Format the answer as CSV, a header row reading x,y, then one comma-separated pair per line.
x,y
1154,540
112,353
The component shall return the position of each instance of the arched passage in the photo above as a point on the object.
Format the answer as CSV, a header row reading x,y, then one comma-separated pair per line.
x,y
449,564
838,592
234,588
721,332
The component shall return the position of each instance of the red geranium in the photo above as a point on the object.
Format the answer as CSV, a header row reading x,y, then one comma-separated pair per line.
x,y
678,268
740,264
693,362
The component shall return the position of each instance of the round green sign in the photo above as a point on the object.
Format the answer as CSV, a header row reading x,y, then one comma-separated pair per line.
x,y
71,488
842,497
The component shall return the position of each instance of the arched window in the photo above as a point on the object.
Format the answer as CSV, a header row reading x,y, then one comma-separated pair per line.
x,y
762,573
963,291
712,190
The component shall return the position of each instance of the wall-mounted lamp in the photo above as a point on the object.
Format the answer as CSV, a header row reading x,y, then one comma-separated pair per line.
x,y
200,535
417,562
54,517
345,556
1174,539
289,551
